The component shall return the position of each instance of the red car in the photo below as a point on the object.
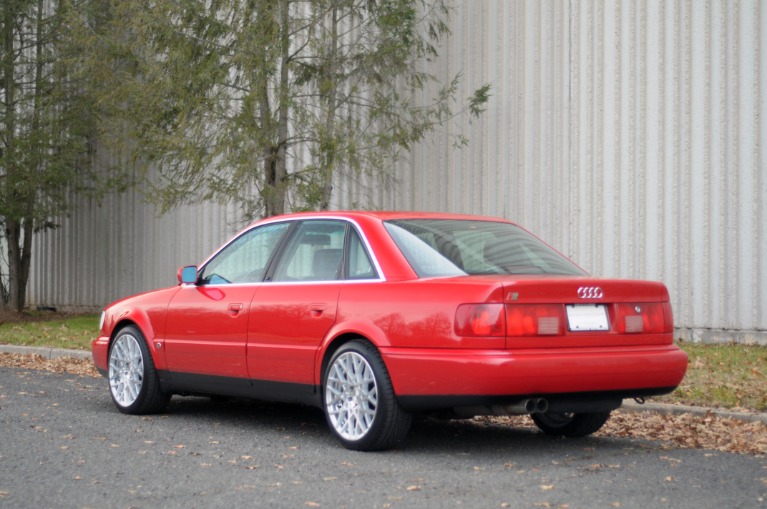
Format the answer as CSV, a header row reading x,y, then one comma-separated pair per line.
x,y
376,316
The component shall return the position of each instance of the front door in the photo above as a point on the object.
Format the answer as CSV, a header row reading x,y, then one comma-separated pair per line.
x,y
207,323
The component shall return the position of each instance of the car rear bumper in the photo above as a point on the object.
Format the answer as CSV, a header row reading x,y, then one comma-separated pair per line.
x,y
443,378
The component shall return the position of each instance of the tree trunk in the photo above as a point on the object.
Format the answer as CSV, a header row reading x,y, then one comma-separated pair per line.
x,y
275,164
9,83
330,145
280,160
19,238
19,219
274,189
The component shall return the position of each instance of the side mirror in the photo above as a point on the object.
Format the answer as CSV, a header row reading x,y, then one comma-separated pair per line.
x,y
187,275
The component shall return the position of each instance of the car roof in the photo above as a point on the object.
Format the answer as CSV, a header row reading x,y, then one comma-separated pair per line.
x,y
389,215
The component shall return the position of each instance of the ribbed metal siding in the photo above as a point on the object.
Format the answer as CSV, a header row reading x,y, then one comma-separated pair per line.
x,y
121,247
630,135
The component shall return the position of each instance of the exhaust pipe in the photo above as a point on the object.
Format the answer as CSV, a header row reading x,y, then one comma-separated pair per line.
x,y
524,407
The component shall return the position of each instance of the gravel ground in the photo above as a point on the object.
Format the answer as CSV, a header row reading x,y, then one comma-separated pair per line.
x,y
675,431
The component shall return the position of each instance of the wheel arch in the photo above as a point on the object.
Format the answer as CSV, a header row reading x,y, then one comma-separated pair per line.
x,y
144,326
340,335
332,348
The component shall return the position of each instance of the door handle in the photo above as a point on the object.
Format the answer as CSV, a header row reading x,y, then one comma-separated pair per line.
x,y
317,309
234,309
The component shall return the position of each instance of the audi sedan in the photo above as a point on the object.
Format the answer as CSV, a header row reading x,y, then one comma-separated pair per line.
x,y
375,317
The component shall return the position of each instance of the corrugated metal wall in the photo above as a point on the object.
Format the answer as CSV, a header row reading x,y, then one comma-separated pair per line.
x,y
120,247
630,135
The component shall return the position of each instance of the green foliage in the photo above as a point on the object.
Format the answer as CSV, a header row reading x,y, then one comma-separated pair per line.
x,y
46,135
75,332
728,376
264,102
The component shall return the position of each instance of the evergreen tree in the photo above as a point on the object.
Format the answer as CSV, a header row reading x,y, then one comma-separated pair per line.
x,y
264,102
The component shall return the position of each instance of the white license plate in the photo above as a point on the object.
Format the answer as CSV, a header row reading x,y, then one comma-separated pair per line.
x,y
587,317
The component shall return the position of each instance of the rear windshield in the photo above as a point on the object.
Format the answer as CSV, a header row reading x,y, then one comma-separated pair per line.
x,y
448,247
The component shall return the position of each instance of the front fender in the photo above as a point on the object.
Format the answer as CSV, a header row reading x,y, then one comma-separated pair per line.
x,y
147,312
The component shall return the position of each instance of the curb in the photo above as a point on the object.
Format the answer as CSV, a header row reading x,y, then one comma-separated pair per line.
x,y
628,405
698,411
45,352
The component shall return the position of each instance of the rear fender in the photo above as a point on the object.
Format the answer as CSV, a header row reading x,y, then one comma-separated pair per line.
x,y
342,332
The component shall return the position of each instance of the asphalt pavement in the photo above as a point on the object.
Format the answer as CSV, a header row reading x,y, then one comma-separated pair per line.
x,y
628,405
63,444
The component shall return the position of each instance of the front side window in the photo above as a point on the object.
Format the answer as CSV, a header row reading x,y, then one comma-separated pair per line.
x,y
446,247
313,253
244,260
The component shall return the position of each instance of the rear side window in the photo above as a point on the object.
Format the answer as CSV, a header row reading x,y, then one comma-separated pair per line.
x,y
358,266
446,247
313,253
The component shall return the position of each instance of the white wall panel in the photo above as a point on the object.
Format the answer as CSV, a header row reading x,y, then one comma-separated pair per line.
x,y
630,135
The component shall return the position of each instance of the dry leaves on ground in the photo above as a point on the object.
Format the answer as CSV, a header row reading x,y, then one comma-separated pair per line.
x,y
71,365
688,431
685,431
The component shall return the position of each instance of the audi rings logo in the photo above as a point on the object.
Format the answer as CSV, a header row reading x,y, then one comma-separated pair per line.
x,y
590,292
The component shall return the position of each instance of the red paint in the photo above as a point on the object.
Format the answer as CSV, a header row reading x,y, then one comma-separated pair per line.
x,y
472,335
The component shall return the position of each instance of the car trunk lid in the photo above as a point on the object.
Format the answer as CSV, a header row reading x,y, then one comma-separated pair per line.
x,y
560,312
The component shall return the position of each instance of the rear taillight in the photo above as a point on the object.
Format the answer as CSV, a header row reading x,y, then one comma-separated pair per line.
x,y
535,319
480,320
644,318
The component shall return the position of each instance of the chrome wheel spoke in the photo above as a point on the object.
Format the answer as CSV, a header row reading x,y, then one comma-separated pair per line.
x,y
126,370
351,395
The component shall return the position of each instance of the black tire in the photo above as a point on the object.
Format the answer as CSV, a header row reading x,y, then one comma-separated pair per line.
x,y
362,412
133,381
570,425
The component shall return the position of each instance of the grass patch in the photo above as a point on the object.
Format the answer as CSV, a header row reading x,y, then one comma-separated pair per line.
x,y
728,376
74,332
